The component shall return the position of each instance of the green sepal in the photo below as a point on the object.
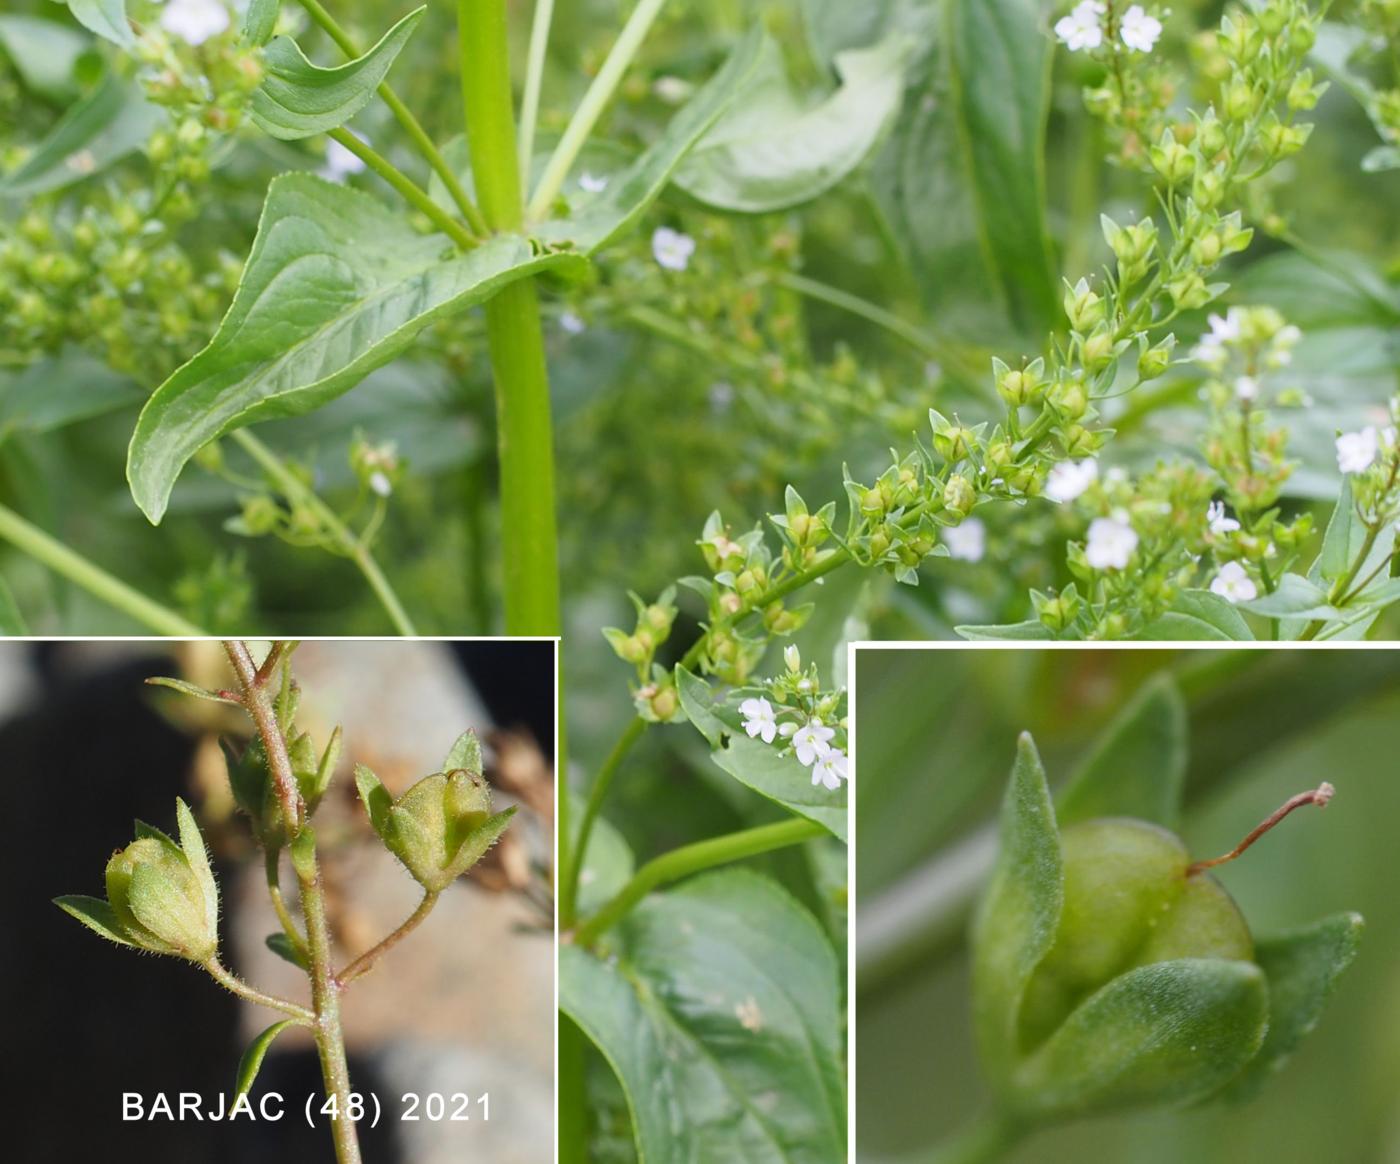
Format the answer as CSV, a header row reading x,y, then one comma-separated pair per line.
x,y
440,827
465,753
286,949
150,831
376,798
330,761
303,853
1302,967
192,845
1020,913
251,1062
97,915
475,844
1172,1032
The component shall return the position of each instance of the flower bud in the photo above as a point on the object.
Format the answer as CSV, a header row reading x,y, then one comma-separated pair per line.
x,y
959,496
1208,188
1241,100
1155,360
1189,291
160,896
1057,613
440,827
1083,307
1171,159
1069,397
1097,349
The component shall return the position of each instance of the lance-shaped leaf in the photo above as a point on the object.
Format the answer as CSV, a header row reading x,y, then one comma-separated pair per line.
x,y
336,286
1167,1033
286,949
1138,764
1302,968
772,151
761,766
628,193
107,18
253,1057
717,1006
1016,922
298,99
260,20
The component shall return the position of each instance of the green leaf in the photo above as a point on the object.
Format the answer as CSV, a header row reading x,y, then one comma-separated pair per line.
x,y
336,286
253,1057
1020,912
1198,614
285,948
607,865
11,620
107,18
1166,1033
963,182
1380,159
45,54
105,126
1032,630
465,753
771,151
628,194
1296,597
1138,765
260,20
1302,968
298,99
60,390
96,914
718,1008
761,766
1343,539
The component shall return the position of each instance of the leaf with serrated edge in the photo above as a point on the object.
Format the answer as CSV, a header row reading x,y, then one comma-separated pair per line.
x,y
1171,1032
298,99
760,766
1302,967
336,286
1017,919
253,1057
717,1005
1138,764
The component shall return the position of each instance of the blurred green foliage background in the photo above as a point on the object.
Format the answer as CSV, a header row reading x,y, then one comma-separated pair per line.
x,y
935,739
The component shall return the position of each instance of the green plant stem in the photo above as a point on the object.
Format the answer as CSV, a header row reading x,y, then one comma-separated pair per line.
x,y
594,101
274,891
236,985
597,793
405,117
366,961
525,435
534,78
689,859
986,1140
359,553
413,194
31,540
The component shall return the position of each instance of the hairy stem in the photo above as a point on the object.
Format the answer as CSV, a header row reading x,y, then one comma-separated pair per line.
x,y
525,436
405,117
351,546
366,961
31,540
690,859
236,985
258,703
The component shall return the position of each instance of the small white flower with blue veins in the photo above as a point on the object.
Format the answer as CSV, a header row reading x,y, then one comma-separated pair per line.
x,y
194,21
1139,30
759,719
811,741
830,769
1111,542
1083,27
1069,479
672,249
1234,584
1356,451
1217,519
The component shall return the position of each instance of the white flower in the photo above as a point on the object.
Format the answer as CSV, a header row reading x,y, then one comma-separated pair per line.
x,y
1233,584
1069,479
1111,543
1219,523
830,769
672,249
1246,388
591,183
1081,29
811,741
571,323
1223,329
1138,30
759,719
968,541
194,21
340,162
380,483
1357,450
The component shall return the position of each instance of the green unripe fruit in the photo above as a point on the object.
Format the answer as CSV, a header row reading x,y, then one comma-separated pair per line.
x,y
1127,902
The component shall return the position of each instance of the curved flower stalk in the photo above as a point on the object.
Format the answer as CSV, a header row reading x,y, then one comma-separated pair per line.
x,y
162,897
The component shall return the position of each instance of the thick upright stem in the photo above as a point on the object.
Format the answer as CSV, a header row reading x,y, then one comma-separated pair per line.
x,y
524,430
